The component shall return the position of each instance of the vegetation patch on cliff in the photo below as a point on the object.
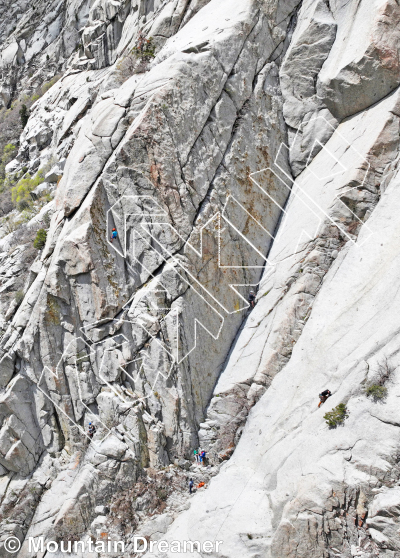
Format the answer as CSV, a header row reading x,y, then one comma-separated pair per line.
x,y
337,416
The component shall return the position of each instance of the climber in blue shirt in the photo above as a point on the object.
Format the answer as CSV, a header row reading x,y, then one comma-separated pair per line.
x,y
114,234
91,430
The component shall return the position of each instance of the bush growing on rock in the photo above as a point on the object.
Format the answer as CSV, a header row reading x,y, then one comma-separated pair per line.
x,y
46,220
22,206
6,204
19,296
145,48
40,239
25,236
24,187
137,61
376,391
44,88
384,373
7,155
337,416
10,122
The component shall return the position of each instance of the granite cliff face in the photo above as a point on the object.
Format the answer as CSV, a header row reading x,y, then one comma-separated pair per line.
x,y
233,144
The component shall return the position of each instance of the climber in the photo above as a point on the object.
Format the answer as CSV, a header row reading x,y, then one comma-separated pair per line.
x,y
252,299
196,455
324,396
203,457
91,430
114,235
190,486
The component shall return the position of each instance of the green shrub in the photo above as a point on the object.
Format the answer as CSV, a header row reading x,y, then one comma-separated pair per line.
x,y
383,375
8,153
23,205
49,84
12,121
137,60
40,239
6,157
145,48
24,187
336,416
46,220
19,297
43,89
376,391
10,128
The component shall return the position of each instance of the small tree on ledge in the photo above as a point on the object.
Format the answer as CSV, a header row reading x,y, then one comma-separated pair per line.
x,y
40,239
144,49
337,416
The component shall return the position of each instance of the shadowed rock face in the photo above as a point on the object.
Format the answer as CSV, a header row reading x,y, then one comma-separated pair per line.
x,y
190,155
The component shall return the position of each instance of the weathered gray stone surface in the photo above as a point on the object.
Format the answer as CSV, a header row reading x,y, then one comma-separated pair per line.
x,y
289,471
191,157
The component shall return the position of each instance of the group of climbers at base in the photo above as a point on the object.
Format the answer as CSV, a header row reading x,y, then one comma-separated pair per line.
x,y
199,456
191,485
